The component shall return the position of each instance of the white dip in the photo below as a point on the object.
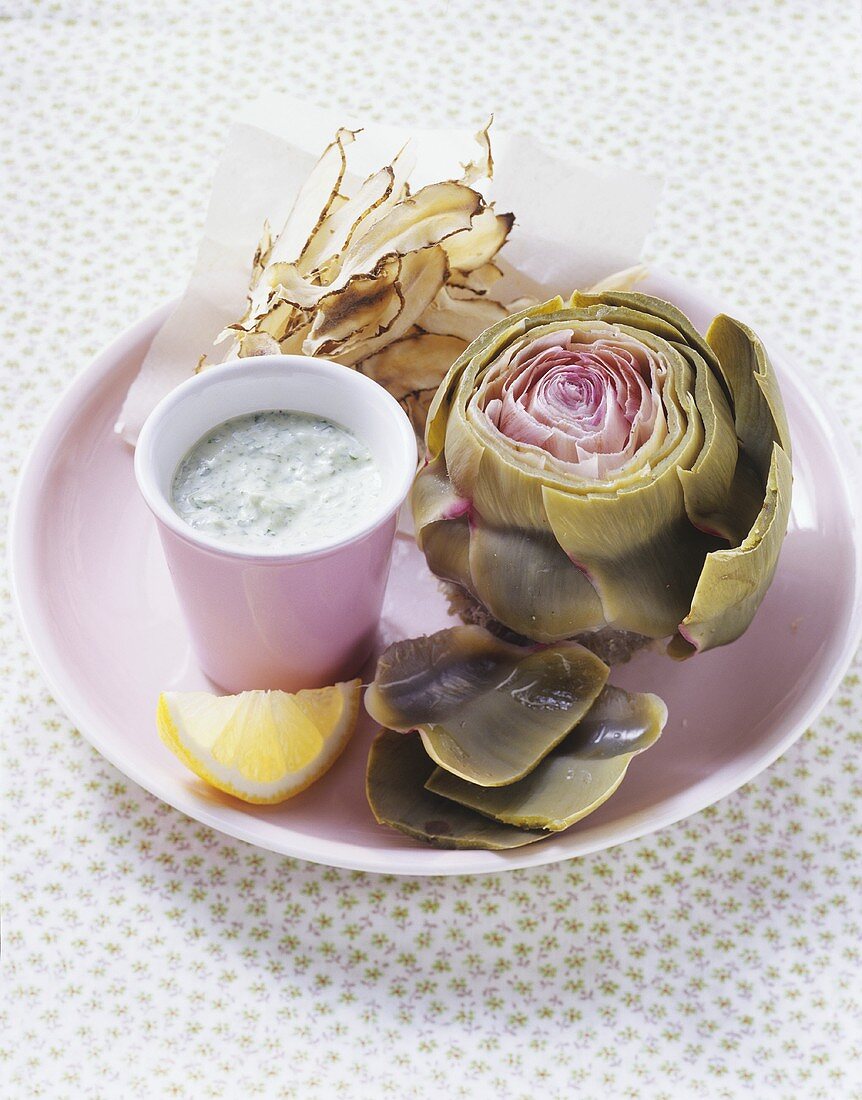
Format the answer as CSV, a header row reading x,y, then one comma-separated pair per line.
x,y
277,480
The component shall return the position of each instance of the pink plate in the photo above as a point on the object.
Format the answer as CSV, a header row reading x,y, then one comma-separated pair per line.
x,y
98,608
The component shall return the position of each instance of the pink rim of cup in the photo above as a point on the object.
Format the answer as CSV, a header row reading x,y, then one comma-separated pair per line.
x,y
265,618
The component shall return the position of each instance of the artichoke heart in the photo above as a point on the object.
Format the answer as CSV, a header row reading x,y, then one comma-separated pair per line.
x,y
486,710
578,775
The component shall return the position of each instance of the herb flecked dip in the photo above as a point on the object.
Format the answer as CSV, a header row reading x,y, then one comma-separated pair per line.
x,y
277,480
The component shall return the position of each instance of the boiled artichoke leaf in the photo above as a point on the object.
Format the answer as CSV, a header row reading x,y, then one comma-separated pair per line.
x,y
548,602
398,768
486,710
733,582
578,775
710,502
758,406
440,518
638,549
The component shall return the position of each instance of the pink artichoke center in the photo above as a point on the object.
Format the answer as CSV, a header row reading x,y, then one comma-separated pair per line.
x,y
590,402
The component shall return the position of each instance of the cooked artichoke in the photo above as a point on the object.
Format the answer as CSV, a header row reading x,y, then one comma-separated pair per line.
x,y
600,464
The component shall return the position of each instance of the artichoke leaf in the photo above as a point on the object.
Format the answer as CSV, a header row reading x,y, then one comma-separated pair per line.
x,y
638,549
527,583
758,407
578,775
733,582
486,710
434,497
446,546
708,486
398,768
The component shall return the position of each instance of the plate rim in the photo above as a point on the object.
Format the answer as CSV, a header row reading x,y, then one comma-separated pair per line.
x,y
415,862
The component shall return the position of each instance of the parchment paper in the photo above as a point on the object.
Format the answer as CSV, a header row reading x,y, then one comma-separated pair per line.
x,y
575,222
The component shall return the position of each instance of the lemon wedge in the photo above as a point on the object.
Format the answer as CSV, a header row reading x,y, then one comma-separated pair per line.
x,y
261,746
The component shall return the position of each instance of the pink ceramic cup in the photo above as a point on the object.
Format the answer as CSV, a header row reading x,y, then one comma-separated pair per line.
x,y
265,619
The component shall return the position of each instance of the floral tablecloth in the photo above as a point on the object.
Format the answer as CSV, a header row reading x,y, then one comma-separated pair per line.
x,y
144,955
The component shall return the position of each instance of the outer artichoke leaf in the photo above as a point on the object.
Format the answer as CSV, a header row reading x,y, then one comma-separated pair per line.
x,y
733,582
578,775
758,406
413,363
511,494
487,710
559,792
446,546
434,498
707,486
638,548
397,771
527,583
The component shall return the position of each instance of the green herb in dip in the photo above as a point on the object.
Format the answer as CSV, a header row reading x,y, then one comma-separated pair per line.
x,y
278,480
